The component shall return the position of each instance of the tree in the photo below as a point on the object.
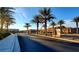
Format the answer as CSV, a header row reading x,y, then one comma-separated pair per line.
x,y
4,11
76,20
53,24
27,25
43,26
8,22
37,20
46,16
61,22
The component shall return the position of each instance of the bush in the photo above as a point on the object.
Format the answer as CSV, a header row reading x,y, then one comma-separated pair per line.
x,y
4,34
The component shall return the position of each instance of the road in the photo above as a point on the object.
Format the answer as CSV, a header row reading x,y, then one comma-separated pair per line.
x,y
28,45
41,44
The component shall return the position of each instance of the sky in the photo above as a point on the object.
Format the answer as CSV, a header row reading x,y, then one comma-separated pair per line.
x,y
24,15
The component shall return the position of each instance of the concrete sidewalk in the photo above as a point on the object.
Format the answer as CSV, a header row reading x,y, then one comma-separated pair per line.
x,y
10,44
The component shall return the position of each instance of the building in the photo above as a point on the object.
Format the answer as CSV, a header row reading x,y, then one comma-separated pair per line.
x,y
65,30
50,31
14,30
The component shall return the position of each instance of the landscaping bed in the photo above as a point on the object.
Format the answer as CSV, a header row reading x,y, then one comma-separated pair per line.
x,y
62,40
4,34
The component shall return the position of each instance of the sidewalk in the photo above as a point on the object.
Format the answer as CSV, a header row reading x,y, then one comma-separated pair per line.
x,y
10,44
71,34
58,38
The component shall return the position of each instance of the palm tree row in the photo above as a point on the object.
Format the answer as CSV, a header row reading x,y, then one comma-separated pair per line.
x,y
6,17
61,22
37,19
45,15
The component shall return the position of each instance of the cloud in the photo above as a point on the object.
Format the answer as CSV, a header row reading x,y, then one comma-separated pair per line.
x,y
24,15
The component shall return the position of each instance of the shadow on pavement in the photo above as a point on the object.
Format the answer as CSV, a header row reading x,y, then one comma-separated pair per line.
x,y
28,45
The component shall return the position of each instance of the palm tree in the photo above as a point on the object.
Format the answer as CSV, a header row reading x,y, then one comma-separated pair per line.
x,y
61,22
37,20
53,24
46,15
27,25
76,20
8,22
4,11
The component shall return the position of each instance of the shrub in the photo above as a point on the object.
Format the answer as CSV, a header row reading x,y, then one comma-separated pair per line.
x,y
4,34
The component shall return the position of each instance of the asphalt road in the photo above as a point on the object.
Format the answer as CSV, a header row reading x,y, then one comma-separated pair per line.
x,y
41,44
28,45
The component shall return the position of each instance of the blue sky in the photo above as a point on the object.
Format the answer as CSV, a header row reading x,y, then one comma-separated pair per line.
x,y
25,15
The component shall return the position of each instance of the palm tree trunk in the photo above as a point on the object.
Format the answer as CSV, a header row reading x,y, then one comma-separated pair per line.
x,y
27,31
60,29
46,27
7,27
37,27
53,29
77,27
1,27
2,24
